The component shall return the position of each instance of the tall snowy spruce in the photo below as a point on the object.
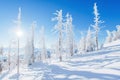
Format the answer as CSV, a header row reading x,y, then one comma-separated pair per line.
x,y
18,32
59,27
43,54
28,51
18,21
69,34
9,56
32,40
82,44
89,41
29,47
96,25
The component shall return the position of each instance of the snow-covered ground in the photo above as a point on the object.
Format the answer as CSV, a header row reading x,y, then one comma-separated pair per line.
x,y
100,65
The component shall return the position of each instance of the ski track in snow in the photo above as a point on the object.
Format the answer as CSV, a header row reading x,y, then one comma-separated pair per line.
x,y
100,65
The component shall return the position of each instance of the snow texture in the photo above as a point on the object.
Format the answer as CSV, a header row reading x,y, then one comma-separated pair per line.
x,y
99,65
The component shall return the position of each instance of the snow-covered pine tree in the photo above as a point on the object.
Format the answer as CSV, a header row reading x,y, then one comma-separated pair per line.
x,y
96,25
89,41
82,43
118,31
69,33
109,37
59,27
43,54
55,49
114,35
9,56
1,54
29,47
18,22
32,40
28,51
1,50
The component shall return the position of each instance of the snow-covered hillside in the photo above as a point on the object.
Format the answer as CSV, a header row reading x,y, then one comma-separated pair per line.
x,y
100,65
113,43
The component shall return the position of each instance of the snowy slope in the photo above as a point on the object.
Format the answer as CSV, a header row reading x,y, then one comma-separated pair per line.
x,y
100,65
113,43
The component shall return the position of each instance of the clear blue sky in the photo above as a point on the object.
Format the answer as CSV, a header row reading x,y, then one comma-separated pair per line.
x,y
42,12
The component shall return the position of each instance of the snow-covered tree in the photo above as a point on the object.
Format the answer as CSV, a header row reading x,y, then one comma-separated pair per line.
x,y
28,51
89,41
18,21
9,56
55,50
29,47
109,37
96,25
32,41
118,31
69,33
42,44
82,43
1,50
18,32
1,53
12,53
59,27
114,35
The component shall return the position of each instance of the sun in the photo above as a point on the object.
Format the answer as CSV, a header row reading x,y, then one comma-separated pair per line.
x,y
19,32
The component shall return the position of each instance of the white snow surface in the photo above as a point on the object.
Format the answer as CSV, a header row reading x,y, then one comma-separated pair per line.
x,y
98,65
113,43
